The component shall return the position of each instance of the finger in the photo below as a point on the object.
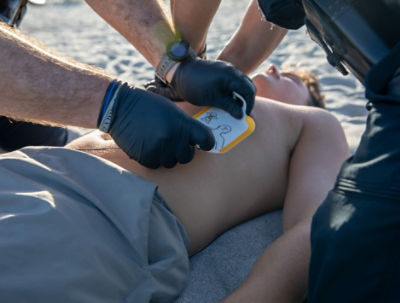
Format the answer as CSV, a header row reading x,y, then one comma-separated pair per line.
x,y
167,153
185,153
166,92
149,157
229,104
170,94
246,88
168,161
149,162
201,135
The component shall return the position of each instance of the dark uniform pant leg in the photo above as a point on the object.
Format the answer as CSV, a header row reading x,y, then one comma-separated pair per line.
x,y
355,233
355,249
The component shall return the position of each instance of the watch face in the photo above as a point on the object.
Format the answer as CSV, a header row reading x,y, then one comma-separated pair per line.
x,y
178,50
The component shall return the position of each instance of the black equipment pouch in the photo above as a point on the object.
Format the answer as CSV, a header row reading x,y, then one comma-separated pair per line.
x,y
355,34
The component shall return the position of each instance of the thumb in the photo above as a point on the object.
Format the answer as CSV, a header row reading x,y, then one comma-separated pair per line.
x,y
232,106
245,88
200,135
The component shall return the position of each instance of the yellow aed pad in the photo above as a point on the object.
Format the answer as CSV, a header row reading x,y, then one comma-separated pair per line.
x,y
228,131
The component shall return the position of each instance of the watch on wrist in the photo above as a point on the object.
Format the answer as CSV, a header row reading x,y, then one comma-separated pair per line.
x,y
177,51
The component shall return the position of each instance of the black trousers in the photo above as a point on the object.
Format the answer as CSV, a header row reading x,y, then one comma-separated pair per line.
x,y
355,233
17,134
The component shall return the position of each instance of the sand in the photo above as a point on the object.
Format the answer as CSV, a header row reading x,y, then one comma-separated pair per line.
x,y
73,29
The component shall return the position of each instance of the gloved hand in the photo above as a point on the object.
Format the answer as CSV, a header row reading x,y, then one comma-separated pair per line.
x,y
158,87
150,128
212,83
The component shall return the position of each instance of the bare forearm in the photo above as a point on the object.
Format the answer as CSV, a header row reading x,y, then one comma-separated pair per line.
x,y
193,18
37,85
280,274
253,42
142,22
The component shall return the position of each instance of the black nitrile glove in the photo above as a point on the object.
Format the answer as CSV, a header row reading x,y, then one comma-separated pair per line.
x,y
158,87
151,129
212,83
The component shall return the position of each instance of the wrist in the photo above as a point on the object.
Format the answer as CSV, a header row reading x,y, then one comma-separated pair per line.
x,y
176,52
170,75
106,111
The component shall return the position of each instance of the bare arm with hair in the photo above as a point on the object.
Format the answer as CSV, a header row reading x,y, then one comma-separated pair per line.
x,y
209,83
193,19
253,42
143,23
38,85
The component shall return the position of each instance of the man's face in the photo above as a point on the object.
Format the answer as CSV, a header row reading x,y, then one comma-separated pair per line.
x,y
281,86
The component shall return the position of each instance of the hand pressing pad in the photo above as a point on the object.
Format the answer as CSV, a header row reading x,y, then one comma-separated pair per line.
x,y
228,131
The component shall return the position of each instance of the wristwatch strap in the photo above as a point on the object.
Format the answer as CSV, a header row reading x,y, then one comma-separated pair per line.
x,y
167,63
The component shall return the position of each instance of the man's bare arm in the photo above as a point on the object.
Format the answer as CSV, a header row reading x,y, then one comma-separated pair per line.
x,y
253,42
143,23
193,19
207,83
38,85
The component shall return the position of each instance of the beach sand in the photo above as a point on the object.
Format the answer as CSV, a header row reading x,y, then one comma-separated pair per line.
x,y
74,30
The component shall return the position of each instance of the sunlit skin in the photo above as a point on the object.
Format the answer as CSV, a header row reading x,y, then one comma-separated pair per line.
x,y
281,86
290,161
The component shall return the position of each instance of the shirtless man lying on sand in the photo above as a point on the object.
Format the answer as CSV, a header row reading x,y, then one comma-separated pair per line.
x,y
290,162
